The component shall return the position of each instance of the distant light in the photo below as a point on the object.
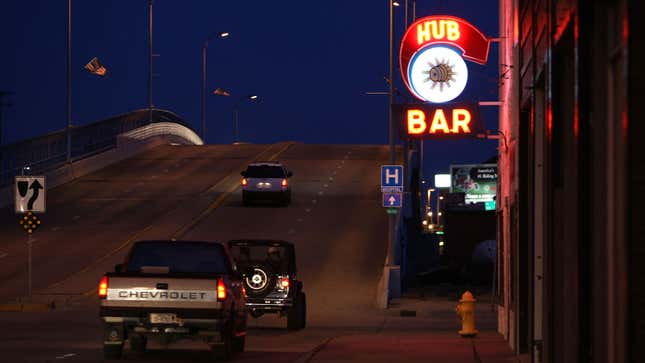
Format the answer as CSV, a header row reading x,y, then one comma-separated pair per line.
x,y
442,180
441,197
254,97
429,214
425,222
224,34
441,243
395,3
440,232
439,214
430,226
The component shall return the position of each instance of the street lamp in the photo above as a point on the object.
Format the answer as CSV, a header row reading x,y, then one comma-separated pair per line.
x,y
235,114
204,47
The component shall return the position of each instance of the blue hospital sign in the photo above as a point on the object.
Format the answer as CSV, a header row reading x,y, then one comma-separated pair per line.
x,y
391,175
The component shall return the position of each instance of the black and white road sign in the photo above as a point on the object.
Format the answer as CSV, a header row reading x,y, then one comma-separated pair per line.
x,y
30,194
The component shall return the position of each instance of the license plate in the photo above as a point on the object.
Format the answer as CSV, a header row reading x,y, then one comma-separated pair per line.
x,y
163,318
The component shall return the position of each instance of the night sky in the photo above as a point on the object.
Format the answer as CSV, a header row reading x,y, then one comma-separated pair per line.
x,y
310,62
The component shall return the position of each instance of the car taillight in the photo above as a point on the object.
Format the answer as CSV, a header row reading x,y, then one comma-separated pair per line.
x,y
103,287
244,182
284,182
221,290
284,282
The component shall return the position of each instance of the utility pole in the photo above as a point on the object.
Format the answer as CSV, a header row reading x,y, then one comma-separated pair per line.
x,y
150,61
69,81
391,218
2,106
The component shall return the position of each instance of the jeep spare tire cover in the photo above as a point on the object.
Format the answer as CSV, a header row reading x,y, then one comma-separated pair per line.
x,y
261,281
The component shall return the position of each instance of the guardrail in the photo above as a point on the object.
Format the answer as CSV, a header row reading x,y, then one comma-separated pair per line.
x,y
48,152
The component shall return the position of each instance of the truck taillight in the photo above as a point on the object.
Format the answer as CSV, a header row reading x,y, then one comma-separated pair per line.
x,y
284,182
221,290
284,282
244,182
103,287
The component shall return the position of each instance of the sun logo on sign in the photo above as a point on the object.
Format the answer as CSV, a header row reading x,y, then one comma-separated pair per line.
x,y
440,73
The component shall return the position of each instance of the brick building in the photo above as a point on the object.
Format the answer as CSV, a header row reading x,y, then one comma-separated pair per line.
x,y
571,212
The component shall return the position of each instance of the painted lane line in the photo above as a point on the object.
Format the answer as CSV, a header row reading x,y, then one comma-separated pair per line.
x,y
65,356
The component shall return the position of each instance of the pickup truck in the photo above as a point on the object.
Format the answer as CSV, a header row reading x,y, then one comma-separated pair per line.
x,y
172,290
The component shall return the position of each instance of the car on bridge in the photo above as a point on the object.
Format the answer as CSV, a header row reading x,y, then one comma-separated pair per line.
x,y
266,180
270,279
172,290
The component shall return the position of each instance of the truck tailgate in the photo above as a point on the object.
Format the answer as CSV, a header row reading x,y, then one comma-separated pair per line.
x,y
161,292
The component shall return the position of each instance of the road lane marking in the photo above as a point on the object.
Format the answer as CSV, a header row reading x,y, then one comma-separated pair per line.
x,y
65,356
125,244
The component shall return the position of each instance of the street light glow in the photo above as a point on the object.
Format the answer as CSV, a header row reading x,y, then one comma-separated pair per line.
x,y
254,97
395,3
425,223
224,34
429,214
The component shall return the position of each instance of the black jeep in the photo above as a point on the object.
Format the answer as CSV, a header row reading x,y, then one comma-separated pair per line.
x,y
269,278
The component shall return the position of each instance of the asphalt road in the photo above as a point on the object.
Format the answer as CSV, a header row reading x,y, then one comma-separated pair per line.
x,y
192,192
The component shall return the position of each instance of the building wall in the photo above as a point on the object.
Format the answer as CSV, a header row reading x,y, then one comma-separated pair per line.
x,y
570,167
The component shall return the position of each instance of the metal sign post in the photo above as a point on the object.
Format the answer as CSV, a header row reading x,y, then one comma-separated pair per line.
x,y
29,196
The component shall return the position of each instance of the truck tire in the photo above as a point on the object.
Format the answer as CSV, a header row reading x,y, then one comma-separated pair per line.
x,y
112,351
138,343
239,343
223,351
297,315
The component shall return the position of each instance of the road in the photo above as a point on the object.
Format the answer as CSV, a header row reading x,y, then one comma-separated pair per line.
x,y
192,192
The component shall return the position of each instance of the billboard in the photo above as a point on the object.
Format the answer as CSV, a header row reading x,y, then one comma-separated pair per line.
x,y
477,181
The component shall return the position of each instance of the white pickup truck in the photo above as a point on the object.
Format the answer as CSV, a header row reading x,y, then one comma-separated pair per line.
x,y
171,290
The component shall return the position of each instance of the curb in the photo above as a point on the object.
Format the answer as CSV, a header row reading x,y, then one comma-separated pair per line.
x,y
27,307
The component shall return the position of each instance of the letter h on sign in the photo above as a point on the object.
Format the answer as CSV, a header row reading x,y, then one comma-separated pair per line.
x,y
391,175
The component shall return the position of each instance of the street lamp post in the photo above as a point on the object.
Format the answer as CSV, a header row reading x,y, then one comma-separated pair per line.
x,y
391,221
235,115
204,65
150,3
68,129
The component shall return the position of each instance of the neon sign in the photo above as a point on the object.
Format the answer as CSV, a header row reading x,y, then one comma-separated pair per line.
x,y
425,121
432,56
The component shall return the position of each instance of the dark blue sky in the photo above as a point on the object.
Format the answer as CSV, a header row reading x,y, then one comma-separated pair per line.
x,y
309,61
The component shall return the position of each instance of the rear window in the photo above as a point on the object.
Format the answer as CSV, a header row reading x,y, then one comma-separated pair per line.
x,y
179,257
264,171
277,257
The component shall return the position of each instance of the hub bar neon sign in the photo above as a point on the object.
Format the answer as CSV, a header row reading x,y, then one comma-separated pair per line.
x,y
432,56
424,121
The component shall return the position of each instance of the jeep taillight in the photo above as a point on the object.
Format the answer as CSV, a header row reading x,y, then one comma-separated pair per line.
x,y
244,182
103,287
284,283
284,182
221,290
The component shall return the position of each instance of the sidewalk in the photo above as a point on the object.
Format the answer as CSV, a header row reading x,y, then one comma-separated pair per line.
x,y
429,336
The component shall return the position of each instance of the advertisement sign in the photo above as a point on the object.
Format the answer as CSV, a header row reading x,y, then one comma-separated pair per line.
x,y
477,181
429,121
432,56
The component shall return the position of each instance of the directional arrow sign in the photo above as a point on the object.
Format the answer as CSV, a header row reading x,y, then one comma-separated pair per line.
x,y
29,194
392,200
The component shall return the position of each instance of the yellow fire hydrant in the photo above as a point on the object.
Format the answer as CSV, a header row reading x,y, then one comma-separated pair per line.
x,y
466,310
